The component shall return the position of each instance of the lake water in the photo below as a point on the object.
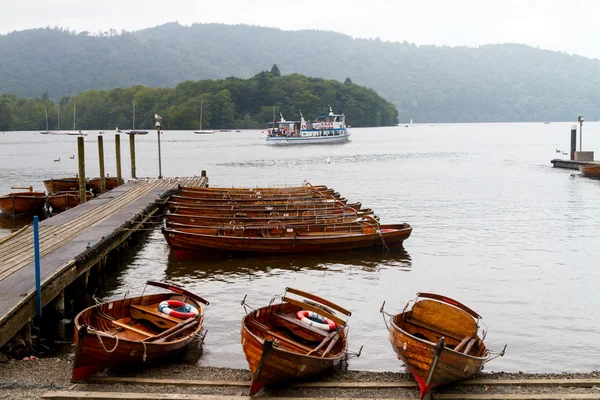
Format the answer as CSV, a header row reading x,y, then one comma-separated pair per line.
x,y
495,227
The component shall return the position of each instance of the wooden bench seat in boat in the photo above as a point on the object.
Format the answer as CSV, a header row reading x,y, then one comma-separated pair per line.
x,y
266,331
151,314
432,328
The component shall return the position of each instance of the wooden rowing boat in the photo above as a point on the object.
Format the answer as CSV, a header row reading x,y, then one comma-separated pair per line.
x,y
110,183
237,219
591,170
191,210
174,222
62,201
438,340
254,190
18,203
280,347
134,331
291,202
199,193
62,185
288,239
175,206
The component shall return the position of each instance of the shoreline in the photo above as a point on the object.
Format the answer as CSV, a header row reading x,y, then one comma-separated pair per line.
x,y
21,380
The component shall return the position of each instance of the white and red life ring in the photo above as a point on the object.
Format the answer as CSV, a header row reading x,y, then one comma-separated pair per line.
x,y
310,318
178,309
303,126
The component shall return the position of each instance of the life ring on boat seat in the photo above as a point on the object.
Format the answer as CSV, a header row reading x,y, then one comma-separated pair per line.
x,y
315,320
178,309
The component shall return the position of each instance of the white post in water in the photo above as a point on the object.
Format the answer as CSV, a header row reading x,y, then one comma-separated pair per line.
x,y
158,126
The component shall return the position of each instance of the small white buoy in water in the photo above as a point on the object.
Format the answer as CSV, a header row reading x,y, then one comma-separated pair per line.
x,y
275,162
328,160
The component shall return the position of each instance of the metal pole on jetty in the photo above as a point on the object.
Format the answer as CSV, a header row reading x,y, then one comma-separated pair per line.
x,y
118,154
132,153
36,252
158,126
81,158
101,159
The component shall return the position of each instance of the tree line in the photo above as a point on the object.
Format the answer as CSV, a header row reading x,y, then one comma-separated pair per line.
x,y
504,82
226,103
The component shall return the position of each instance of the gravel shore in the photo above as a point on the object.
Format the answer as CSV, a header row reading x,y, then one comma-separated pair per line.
x,y
21,380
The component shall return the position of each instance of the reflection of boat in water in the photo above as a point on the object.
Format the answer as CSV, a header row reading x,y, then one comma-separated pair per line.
x,y
186,265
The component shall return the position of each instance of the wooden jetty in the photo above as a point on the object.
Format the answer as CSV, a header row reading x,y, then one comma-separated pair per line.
x,y
71,244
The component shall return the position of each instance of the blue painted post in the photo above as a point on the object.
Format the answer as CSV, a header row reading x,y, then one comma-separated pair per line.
x,y
36,250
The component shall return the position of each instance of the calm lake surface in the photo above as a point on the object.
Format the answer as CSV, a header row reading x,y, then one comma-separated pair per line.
x,y
495,227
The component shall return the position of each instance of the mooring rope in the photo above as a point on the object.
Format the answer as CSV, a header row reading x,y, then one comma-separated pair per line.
x,y
104,347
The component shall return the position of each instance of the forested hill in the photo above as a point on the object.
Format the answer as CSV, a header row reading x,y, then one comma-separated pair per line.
x,y
507,82
226,103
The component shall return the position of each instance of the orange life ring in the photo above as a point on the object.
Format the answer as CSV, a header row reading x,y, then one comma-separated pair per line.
x,y
315,320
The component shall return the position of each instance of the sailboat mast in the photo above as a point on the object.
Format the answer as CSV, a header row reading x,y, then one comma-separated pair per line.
x,y
46,118
133,126
58,120
74,113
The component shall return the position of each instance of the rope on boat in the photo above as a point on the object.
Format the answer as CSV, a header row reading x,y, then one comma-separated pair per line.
x,y
104,347
387,249
144,356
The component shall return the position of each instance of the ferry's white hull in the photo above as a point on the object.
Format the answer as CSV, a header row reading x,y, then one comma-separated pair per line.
x,y
289,140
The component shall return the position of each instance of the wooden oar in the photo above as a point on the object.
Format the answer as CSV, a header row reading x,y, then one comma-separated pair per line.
x,y
323,342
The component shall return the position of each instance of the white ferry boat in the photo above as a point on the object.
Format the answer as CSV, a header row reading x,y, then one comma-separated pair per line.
x,y
326,128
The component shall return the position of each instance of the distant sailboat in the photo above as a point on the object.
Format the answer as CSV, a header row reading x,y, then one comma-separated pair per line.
x,y
200,131
46,131
133,131
410,123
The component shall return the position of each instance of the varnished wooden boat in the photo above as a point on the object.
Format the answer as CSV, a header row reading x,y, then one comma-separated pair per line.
x,y
590,169
175,206
279,347
232,190
438,340
273,227
199,193
193,220
61,185
62,201
18,203
264,213
291,202
286,240
110,183
134,331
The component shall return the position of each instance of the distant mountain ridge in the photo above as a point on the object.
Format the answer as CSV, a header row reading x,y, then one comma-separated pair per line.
x,y
508,82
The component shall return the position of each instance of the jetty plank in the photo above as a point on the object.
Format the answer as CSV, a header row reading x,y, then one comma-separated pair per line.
x,y
349,385
67,395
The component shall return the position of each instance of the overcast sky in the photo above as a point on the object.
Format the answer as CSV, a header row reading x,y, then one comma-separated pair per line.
x,y
571,26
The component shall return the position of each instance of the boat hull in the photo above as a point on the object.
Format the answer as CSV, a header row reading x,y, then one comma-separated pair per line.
x,y
291,140
426,338
23,203
390,235
110,183
61,185
590,170
271,359
62,201
100,345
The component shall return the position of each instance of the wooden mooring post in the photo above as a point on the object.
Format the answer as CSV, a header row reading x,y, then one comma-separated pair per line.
x,y
118,155
81,159
132,154
101,160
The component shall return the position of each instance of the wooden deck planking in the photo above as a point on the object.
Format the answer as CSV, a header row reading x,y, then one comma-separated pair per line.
x,y
62,239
